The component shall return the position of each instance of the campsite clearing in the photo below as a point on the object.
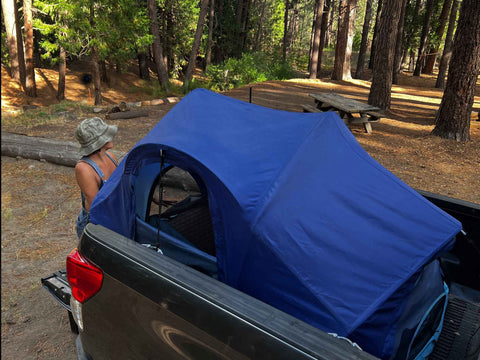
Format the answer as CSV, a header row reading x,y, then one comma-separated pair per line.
x,y
40,200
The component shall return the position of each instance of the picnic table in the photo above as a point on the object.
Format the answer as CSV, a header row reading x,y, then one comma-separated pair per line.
x,y
351,111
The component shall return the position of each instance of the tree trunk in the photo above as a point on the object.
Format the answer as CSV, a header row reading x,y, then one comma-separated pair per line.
x,y
397,63
323,34
157,46
410,30
433,48
17,64
96,76
375,32
364,43
143,71
211,19
196,43
380,91
423,39
61,75
453,117
30,86
343,47
285,31
316,38
347,65
447,50
52,150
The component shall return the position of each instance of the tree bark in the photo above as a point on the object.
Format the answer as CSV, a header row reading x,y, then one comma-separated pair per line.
x,y
157,46
323,34
61,75
453,117
96,76
56,151
285,31
375,32
433,48
343,47
196,43
423,39
211,19
380,91
316,38
397,63
143,71
30,86
447,50
364,43
127,114
15,45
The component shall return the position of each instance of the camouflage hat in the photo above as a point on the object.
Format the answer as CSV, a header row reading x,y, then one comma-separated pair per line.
x,y
93,133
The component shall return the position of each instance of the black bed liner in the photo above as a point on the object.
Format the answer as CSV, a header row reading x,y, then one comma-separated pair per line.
x,y
460,336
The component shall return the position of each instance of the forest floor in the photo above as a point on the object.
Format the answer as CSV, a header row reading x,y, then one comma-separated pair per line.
x,y
40,201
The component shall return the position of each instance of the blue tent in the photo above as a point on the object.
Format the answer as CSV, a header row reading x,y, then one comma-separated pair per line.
x,y
304,218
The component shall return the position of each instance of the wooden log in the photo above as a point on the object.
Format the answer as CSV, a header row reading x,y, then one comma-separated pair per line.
x,y
65,153
29,147
127,114
56,151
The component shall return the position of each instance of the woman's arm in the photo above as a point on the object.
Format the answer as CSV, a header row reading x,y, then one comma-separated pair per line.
x,y
88,181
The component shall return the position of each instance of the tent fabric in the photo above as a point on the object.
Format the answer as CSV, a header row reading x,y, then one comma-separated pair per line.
x,y
304,218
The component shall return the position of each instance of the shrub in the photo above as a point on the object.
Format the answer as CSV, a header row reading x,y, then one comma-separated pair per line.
x,y
250,68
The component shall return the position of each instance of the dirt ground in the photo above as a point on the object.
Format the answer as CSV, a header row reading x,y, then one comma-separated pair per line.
x,y
40,200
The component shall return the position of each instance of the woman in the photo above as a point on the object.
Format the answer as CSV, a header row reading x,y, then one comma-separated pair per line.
x,y
96,165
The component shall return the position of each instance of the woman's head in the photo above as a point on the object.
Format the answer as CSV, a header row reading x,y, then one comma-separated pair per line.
x,y
93,134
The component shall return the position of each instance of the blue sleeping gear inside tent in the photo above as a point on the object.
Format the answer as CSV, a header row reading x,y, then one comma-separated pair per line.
x,y
303,218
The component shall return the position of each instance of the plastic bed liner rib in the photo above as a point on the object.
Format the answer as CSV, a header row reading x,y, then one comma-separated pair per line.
x,y
460,337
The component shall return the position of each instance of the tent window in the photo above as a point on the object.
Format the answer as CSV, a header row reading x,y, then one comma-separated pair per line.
x,y
186,210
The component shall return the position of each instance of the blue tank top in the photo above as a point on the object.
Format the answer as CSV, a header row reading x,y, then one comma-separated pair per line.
x,y
97,169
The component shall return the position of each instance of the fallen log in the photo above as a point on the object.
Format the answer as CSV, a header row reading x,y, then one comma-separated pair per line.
x,y
52,150
65,153
127,114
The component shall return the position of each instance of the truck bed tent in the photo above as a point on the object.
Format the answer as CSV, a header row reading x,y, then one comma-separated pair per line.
x,y
304,219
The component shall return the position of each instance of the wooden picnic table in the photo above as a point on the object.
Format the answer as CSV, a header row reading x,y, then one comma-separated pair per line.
x,y
351,111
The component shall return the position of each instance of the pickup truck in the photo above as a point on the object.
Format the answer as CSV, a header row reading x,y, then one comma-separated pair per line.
x,y
281,239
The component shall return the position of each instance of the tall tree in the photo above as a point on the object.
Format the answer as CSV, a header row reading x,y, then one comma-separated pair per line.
x,y
447,49
364,43
380,91
424,37
410,29
285,30
323,33
157,46
343,47
95,66
211,20
316,38
375,32
453,117
434,45
62,66
14,40
397,63
196,43
30,86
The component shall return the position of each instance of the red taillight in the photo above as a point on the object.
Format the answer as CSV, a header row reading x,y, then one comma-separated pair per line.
x,y
85,279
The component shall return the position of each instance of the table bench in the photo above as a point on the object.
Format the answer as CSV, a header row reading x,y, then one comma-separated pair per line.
x,y
351,111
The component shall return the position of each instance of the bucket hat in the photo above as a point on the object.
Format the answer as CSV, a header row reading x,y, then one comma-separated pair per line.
x,y
93,133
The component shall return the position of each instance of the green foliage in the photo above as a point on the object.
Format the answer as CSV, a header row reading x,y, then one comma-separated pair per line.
x,y
250,68
115,27
5,55
357,41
